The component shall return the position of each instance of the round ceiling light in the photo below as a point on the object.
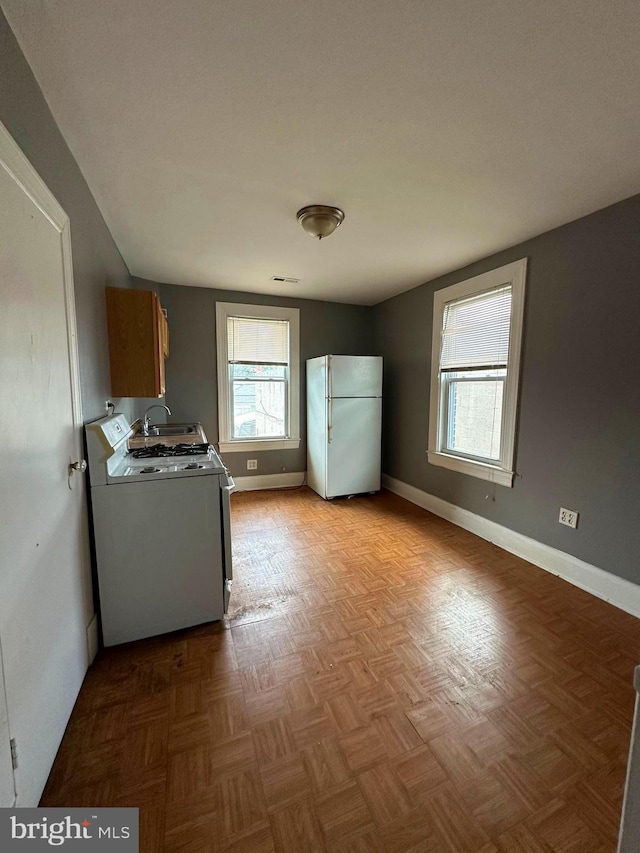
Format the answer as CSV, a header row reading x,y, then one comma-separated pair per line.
x,y
319,221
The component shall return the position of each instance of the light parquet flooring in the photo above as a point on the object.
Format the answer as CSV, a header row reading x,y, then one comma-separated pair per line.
x,y
385,683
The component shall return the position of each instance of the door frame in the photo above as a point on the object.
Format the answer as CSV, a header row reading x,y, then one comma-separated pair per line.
x,y
6,752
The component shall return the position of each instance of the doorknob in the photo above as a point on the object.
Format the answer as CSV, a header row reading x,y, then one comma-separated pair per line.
x,y
80,466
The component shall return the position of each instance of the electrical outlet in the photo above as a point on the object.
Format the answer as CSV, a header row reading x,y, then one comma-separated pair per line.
x,y
252,464
568,517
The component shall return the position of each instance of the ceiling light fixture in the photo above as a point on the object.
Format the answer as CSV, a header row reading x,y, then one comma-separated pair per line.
x,y
318,220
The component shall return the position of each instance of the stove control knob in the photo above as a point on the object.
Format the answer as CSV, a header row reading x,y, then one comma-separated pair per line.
x,y
78,466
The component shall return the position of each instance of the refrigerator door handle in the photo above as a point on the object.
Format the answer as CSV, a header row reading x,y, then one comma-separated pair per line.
x,y
329,418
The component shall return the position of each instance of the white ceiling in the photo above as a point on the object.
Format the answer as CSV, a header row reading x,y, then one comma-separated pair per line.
x,y
445,129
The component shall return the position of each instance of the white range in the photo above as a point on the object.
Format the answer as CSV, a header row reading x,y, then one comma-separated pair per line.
x,y
162,533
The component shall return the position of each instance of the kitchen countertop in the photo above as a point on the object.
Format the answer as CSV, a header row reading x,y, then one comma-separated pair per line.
x,y
138,440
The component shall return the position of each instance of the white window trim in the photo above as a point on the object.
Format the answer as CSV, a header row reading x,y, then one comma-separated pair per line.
x,y
502,472
261,312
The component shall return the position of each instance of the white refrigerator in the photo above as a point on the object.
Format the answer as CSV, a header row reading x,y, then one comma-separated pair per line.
x,y
344,424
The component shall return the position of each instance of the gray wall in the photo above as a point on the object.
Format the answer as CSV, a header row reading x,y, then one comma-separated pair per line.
x,y
579,415
96,260
325,327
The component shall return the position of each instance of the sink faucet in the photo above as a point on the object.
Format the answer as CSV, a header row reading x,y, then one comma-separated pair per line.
x,y
146,423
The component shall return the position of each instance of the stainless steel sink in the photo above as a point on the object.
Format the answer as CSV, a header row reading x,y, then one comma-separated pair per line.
x,y
174,429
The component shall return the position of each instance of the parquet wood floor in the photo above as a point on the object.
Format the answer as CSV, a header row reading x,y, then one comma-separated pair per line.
x,y
385,683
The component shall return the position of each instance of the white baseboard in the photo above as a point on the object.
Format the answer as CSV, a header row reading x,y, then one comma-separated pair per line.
x,y
617,591
92,639
269,481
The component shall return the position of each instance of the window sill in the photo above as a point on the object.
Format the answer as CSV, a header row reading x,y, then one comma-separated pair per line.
x,y
474,469
259,444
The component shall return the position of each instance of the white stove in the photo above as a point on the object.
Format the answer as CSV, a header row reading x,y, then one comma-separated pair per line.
x,y
111,461
161,519
129,468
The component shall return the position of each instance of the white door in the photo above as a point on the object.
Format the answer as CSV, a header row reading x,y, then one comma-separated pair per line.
x,y
45,595
353,454
355,376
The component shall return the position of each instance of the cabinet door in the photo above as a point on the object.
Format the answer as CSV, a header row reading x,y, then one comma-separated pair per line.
x,y
135,344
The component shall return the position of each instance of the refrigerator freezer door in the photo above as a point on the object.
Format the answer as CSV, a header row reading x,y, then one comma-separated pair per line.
x,y
355,376
353,454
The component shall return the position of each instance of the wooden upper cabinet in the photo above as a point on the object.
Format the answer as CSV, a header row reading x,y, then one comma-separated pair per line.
x,y
138,342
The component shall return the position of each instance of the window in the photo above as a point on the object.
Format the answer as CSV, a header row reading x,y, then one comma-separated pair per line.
x,y
258,377
475,358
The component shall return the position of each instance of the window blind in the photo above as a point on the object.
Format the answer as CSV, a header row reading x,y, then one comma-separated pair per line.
x,y
475,333
253,341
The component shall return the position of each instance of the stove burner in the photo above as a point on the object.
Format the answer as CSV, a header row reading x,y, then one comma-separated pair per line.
x,y
153,451
149,470
192,465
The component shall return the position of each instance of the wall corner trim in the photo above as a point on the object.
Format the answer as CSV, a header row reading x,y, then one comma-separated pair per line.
x,y
617,591
270,481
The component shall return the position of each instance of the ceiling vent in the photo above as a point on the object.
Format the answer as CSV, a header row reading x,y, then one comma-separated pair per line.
x,y
286,279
